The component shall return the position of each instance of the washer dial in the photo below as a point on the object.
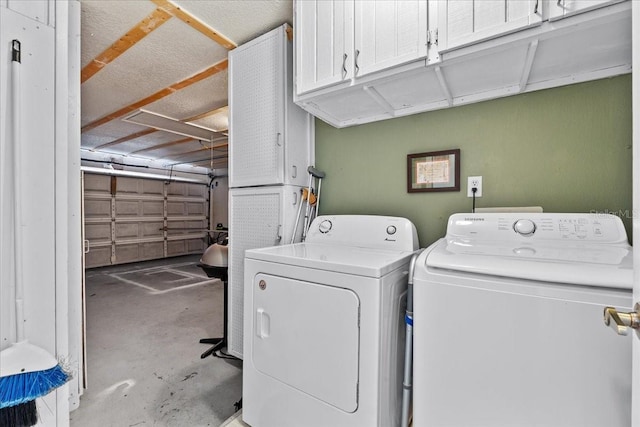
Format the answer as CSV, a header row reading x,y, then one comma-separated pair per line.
x,y
525,227
325,226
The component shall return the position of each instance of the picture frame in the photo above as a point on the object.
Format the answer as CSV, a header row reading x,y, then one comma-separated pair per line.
x,y
433,171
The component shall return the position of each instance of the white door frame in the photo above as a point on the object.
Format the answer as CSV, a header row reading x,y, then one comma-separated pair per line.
x,y
635,401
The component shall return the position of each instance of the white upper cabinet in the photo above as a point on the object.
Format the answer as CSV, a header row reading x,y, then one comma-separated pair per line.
x,y
462,22
401,57
324,50
388,33
561,8
343,40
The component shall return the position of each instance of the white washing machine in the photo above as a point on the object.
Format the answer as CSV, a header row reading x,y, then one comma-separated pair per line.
x,y
508,323
323,334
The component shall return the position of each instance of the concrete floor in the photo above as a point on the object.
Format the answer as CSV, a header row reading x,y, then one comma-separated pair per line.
x,y
144,321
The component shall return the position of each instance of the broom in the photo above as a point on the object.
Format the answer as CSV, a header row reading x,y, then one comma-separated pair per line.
x,y
26,371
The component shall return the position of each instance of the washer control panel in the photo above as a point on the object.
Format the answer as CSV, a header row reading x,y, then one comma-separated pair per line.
x,y
385,232
595,227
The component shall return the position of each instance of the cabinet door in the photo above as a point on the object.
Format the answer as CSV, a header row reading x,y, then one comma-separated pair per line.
x,y
561,8
462,22
258,217
388,33
256,104
323,43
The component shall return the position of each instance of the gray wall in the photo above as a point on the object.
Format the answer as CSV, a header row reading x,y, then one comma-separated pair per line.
x,y
566,149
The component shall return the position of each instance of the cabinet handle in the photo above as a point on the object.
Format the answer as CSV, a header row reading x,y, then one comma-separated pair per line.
x,y
560,3
535,8
344,66
279,139
357,67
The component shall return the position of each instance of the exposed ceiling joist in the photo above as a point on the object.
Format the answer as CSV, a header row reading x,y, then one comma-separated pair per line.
x,y
214,69
133,36
194,22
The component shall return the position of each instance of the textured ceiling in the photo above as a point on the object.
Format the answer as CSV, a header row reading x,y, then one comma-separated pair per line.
x,y
167,57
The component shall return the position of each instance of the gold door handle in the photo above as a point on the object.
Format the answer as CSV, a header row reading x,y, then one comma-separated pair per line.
x,y
621,322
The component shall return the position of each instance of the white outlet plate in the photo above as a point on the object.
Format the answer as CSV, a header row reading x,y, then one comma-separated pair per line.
x,y
474,181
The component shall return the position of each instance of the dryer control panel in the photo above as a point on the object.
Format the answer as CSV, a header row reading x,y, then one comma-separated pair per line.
x,y
595,228
371,231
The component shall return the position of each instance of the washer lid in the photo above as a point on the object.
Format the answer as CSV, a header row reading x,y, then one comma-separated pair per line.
x,y
588,264
337,258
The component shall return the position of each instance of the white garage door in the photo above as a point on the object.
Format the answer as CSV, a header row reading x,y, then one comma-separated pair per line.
x,y
134,219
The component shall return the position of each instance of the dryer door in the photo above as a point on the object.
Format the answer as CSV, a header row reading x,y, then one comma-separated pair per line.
x,y
307,336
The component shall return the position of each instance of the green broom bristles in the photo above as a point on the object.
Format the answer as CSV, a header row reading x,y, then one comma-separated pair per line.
x,y
22,388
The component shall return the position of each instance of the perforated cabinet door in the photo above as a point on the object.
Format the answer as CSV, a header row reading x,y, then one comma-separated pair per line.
x,y
259,217
256,101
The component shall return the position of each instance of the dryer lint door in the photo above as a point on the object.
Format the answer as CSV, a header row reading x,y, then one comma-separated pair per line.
x,y
307,335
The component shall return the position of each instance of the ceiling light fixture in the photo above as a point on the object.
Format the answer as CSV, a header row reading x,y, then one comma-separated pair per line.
x,y
168,124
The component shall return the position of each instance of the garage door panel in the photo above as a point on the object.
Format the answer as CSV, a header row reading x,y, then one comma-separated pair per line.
x,y
152,229
176,208
152,250
127,253
175,228
127,208
98,257
99,183
98,231
128,185
97,208
176,247
153,208
195,245
195,208
135,222
153,187
127,230
195,190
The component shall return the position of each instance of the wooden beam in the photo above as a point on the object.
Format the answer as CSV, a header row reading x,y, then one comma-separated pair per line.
x,y
214,69
194,22
152,22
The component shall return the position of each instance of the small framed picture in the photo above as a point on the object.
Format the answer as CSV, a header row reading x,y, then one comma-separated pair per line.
x,y
434,171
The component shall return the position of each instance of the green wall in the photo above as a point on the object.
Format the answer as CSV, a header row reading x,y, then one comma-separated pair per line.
x,y
566,149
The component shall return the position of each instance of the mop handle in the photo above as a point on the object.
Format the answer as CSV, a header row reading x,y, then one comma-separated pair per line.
x,y
17,203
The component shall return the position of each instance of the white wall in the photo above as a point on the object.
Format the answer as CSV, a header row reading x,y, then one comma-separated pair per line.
x,y
41,179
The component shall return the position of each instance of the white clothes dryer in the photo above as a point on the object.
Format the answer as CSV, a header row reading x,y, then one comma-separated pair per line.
x,y
508,323
323,334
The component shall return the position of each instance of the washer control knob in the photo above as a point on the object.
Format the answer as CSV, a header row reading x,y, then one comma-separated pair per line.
x,y
325,226
525,227
391,230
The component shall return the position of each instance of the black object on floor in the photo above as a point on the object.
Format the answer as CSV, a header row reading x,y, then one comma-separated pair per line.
x,y
217,343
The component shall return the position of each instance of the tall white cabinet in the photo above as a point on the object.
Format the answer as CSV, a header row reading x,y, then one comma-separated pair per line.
x,y
270,147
